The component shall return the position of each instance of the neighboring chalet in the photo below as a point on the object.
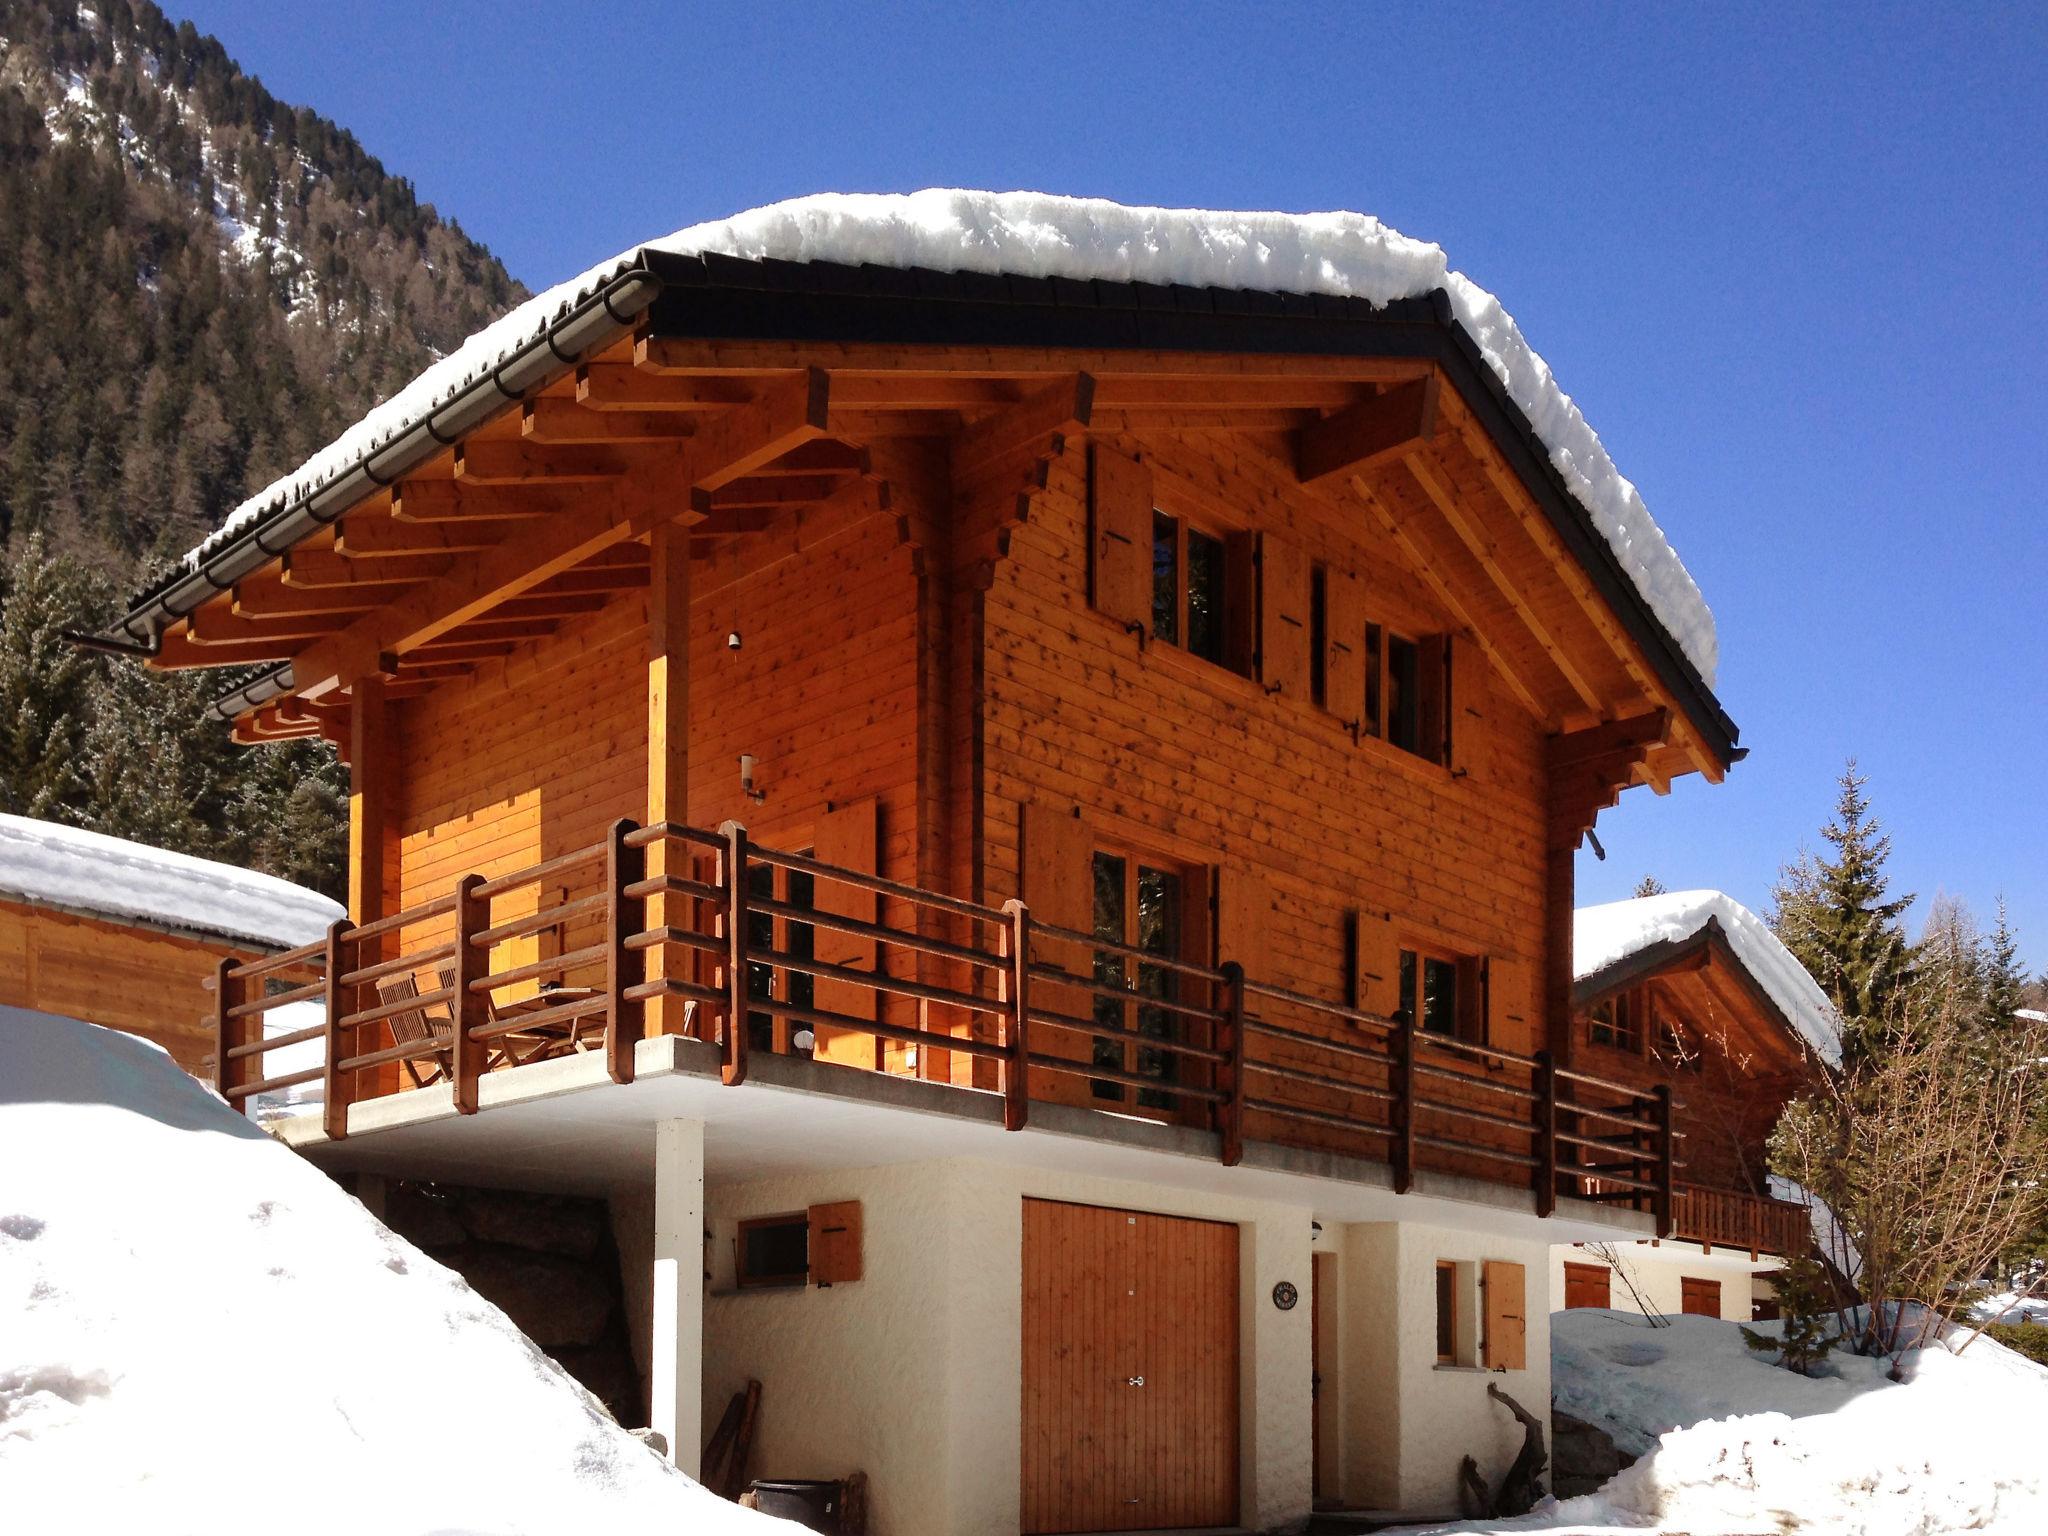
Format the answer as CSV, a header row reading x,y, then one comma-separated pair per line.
x,y
1000,777
122,934
1691,992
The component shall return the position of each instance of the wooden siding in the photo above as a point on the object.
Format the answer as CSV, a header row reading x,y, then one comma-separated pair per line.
x,y
111,973
1130,1412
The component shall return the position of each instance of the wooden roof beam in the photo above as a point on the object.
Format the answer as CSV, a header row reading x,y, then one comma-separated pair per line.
x,y
552,419
729,446
177,651
1033,428
623,387
1462,524
1373,432
515,461
215,624
314,569
458,501
821,456
367,536
266,597
768,491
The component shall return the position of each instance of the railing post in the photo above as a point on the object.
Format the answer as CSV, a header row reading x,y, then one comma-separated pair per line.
x,y
1546,1134
1404,1104
337,1087
225,996
1665,1159
624,1021
1017,982
1232,1045
734,1069
467,1009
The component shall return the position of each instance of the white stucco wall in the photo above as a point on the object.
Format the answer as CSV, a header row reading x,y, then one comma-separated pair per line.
x,y
1408,1421
1658,1268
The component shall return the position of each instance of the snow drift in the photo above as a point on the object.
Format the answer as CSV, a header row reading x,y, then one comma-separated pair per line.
x,y
201,1333
1030,234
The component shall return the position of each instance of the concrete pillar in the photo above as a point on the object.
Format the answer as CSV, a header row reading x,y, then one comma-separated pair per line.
x,y
675,1359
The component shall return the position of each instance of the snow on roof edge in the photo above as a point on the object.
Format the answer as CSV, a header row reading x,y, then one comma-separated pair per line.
x,y
1039,235
1606,934
49,864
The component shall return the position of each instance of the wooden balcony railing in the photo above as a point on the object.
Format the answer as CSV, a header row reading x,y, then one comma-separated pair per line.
x,y
1727,1218
1051,1011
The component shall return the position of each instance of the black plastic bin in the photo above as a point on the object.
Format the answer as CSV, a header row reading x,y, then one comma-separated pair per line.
x,y
809,1501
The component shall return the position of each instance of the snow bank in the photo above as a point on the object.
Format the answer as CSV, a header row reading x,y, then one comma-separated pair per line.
x,y
1034,235
54,865
1615,930
1735,1444
161,1260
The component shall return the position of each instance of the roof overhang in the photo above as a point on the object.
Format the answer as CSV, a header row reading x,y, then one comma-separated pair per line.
x,y
1710,943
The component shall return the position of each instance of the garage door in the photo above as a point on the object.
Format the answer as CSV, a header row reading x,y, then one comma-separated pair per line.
x,y
1130,1370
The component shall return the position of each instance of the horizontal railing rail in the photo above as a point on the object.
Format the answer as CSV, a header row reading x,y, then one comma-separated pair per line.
x,y
754,948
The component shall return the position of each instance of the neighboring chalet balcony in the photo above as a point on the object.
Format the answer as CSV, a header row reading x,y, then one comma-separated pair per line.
x,y
758,950
1729,1218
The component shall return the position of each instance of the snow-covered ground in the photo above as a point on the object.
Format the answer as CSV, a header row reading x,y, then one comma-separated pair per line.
x,y
1731,1443
200,1333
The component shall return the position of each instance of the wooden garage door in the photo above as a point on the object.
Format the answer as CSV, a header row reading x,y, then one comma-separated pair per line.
x,y
1130,1370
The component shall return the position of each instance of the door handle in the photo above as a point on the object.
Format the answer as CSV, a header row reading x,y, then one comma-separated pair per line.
x,y
1134,1381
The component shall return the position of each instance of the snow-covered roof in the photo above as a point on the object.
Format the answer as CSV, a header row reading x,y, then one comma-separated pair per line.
x,y
57,866
1603,936
1030,234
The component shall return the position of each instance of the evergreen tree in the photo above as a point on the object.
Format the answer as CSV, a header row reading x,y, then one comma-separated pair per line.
x,y
1836,917
2005,983
1806,1311
44,683
1649,885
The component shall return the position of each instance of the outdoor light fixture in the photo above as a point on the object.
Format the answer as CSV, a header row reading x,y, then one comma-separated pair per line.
x,y
747,778
732,640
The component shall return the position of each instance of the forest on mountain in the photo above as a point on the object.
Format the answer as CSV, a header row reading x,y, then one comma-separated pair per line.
x,y
199,286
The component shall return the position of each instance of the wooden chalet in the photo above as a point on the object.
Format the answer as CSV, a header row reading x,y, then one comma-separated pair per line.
x,y
1690,992
1066,777
118,933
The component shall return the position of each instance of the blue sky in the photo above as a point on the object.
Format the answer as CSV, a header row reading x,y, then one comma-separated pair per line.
x,y
1793,264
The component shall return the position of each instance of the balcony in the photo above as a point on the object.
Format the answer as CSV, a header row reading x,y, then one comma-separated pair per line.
x,y
676,929
1726,1218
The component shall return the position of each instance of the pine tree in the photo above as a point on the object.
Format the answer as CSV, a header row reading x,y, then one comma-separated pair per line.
x,y
2005,983
1650,885
1806,1314
1836,918
44,683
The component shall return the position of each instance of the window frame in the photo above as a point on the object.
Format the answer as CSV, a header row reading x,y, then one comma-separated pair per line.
x,y
1186,527
1448,1308
1192,882
777,1280
1468,1000
1622,1030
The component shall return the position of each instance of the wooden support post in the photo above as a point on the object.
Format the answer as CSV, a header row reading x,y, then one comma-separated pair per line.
x,y
734,1070
335,1084
624,1021
224,999
668,758
1665,1171
1404,1104
675,1357
467,1008
1017,983
371,839
1231,1110
1546,1134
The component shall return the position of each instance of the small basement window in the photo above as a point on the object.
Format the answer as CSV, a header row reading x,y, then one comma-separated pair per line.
x,y
1446,1312
774,1251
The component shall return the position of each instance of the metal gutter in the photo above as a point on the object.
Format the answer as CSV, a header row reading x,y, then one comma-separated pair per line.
x,y
609,312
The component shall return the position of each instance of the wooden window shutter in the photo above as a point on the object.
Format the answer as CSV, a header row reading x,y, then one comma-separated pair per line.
x,y
1244,922
849,836
1120,536
1283,618
1375,964
1507,1316
1344,647
1057,876
1433,689
835,1243
1241,602
1510,1013
1467,701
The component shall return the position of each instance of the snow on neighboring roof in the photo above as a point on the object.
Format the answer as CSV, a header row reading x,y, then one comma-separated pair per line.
x,y
1030,234
1605,934
52,865
205,1333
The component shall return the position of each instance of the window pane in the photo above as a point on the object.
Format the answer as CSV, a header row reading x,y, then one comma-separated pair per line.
x,y
1159,928
1165,578
1318,634
776,1253
1446,1312
1109,970
1404,694
1440,997
1374,725
1205,596
1406,1012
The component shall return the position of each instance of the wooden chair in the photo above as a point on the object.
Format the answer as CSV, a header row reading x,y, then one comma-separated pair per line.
x,y
411,1025
515,1049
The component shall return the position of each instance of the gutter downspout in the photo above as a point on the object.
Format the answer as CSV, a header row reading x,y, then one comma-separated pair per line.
x,y
597,321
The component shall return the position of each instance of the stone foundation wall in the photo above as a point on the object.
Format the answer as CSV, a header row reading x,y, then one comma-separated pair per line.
x,y
548,1260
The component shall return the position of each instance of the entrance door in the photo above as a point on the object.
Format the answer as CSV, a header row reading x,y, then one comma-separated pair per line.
x,y
1130,1370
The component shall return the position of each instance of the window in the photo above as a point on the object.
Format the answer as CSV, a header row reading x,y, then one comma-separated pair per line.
x,y
1138,904
1588,1285
1446,1312
773,1250
1190,589
1403,694
1318,636
1407,691
1616,1022
1440,993
767,931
